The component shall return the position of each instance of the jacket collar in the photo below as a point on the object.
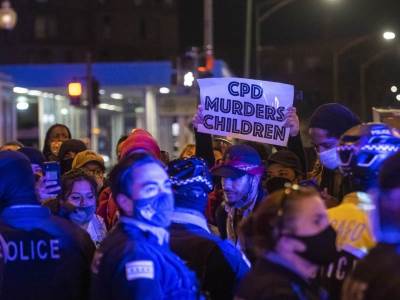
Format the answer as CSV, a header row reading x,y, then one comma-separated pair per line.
x,y
189,216
160,233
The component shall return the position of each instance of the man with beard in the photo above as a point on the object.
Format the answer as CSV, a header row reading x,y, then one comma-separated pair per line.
x,y
240,175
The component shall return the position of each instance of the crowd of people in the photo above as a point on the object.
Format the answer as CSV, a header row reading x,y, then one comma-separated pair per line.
x,y
225,220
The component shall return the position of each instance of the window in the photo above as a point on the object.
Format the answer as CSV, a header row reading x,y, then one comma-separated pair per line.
x,y
45,27
106,27
40,27
143,29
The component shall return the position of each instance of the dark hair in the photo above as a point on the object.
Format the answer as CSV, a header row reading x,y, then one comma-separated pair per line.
x,y
120,176
121,140
46,146
261,231
69,178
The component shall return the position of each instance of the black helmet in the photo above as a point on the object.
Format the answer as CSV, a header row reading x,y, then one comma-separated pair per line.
x,y
363,148
189,171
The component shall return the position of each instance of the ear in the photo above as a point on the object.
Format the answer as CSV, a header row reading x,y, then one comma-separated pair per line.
x,y
125,204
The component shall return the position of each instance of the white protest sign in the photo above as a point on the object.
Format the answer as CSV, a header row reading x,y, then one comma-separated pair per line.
x,y
247,109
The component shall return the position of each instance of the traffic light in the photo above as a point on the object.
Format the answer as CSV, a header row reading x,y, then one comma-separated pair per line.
x,y
75,92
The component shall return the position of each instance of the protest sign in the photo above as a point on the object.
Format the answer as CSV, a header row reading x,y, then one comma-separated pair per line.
x,y
246,109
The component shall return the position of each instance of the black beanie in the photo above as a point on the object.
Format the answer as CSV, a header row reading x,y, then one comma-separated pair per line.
x,y
334,118
71,145
389,173
34,155
17,182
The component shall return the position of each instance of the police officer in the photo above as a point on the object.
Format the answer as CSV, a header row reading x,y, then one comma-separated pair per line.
x,y
134,261
47,257
362,150
218,264
377,276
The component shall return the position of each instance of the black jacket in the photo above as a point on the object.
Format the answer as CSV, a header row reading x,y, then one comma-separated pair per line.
x,y
380,270
218,264
48,257
271,281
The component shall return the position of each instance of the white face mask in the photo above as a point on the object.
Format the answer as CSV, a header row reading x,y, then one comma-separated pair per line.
x,y
329,158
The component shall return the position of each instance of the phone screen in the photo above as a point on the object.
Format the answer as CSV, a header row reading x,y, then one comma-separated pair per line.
x,y
52,171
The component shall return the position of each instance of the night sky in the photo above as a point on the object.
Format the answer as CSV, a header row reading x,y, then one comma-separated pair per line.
x,y
301,21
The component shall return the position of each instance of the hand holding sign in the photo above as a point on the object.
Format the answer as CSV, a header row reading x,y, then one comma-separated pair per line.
x,y
247,109
198,117
292,121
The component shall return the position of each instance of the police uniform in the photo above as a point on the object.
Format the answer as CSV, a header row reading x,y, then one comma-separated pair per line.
x,y
134,262
218,264
47,257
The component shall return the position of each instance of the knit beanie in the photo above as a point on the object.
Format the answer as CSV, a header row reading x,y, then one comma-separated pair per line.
x,y
35,156
334,118
17,182
140,139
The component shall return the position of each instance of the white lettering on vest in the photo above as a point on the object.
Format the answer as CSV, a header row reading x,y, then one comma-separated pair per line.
x,y
33,250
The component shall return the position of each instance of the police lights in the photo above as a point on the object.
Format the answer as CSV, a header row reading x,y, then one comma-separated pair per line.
x,y
75,92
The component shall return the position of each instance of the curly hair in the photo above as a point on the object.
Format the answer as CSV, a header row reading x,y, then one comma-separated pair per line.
x,y
69,178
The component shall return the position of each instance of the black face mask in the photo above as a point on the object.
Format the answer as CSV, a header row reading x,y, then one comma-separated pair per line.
x,y
275,183
320,248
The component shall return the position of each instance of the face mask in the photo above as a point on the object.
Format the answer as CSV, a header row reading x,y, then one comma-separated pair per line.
x,y
320,248
275,183
329,158
155,210
82,215
66,165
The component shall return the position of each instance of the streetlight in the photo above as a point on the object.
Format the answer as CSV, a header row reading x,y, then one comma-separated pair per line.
x,y
393,89
8,16
398,97
387,35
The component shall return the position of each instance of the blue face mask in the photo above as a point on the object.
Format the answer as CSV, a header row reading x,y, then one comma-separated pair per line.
x,y
82,215
155,210
330,158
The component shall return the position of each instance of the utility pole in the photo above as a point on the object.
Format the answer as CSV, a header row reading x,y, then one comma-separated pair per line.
x,y
208,24
247,50
208,29
91,108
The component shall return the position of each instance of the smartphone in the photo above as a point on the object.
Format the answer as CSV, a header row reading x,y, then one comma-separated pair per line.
x,y
52,171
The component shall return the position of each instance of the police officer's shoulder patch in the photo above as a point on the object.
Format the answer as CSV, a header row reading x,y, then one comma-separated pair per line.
x,y
139,269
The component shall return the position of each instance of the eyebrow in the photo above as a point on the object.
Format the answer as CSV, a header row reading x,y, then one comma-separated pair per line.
x,y
149,183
